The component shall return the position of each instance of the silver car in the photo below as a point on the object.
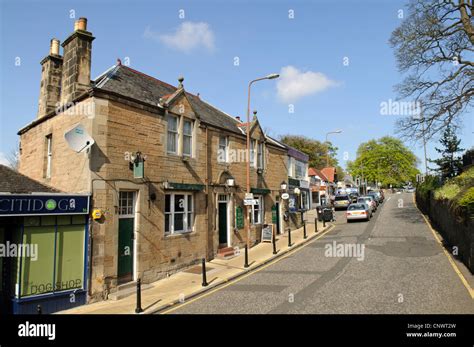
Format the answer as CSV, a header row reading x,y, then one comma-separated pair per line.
x,y
369,200
358,212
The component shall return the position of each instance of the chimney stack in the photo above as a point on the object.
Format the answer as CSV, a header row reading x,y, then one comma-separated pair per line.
x,y
51,72
76,74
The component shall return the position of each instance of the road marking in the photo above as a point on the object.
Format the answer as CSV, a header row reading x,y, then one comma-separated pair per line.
x,y
448,255
252,272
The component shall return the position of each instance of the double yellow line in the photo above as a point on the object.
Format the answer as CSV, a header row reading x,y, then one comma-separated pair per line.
x,y
251,272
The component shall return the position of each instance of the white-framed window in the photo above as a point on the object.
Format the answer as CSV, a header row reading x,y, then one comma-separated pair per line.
x,y
187,138
179,213
49,154
260,161
300,169
126,204
252,153
258,210
172,138
223,150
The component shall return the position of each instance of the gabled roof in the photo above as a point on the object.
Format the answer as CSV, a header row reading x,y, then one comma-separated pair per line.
x,y
329,172
315,172
14,182
134,84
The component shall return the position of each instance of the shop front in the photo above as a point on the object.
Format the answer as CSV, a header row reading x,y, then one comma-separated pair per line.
x,y
43,251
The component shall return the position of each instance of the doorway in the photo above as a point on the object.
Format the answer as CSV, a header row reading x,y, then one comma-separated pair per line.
x,y
126,236
223,216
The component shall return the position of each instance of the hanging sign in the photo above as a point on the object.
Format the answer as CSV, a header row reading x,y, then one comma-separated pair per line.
x,y
274,214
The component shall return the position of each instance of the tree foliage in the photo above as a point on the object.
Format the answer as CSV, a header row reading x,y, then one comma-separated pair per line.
x,y
315,149
434,47
385,160
449,164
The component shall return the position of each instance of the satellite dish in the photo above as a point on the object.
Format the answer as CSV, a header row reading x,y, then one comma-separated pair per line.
x,y
78,139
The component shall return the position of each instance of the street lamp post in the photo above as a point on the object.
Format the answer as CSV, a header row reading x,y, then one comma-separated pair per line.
x,y
327,146
268,77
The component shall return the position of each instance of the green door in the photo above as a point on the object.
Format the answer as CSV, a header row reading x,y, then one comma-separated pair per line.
x,y
125,250
277,218
223,223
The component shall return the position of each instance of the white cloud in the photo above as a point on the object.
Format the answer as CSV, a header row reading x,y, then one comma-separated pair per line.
x,y
187,37
294,84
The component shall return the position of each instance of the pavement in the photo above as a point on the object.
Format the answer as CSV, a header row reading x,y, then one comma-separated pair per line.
x,y
187,284
403,268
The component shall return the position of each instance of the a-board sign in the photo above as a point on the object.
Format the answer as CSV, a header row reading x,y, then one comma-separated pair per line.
x,y
267,233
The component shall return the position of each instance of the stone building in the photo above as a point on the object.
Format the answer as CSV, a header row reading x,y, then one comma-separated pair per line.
x,y
166,171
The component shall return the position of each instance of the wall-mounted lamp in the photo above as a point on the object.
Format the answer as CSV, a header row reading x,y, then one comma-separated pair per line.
x,y
230,182
297,191
283,185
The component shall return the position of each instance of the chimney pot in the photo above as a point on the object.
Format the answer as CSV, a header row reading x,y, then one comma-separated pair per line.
x,y
54,47
238,118
80,24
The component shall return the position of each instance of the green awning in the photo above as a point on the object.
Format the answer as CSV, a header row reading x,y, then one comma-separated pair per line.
x,y
260,191
185,186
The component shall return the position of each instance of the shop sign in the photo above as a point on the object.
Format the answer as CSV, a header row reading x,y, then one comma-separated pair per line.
x,y
239,217
31,205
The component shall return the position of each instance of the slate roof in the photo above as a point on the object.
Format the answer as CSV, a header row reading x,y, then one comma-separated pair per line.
x,y
14,182
134,84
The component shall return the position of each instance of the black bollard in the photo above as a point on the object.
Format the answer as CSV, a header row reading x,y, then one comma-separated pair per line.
x,y
139,309
204,278
324,222
304,230
38,309
246,256
274,244
289,237
316,224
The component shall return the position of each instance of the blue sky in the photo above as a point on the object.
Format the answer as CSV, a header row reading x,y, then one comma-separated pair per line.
x,y
308,49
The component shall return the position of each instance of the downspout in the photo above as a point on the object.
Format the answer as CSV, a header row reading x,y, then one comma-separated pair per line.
x,y
207,193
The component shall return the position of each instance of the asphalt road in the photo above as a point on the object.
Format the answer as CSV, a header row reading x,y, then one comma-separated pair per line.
x,y
403,270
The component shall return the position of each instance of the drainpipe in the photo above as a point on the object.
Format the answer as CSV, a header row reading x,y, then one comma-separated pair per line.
x,y
207,193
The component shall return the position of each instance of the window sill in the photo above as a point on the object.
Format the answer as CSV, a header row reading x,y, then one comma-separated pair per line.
x,y
178,235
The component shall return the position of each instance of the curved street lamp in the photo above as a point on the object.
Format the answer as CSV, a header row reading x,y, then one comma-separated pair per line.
x,y
268,77
327,146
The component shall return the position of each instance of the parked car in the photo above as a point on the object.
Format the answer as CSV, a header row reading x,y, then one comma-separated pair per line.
x,y
369,200
358,211
376,195
354,196
342,201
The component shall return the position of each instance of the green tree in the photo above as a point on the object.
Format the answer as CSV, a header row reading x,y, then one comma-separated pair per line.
x,y
315,149
449,165
385,160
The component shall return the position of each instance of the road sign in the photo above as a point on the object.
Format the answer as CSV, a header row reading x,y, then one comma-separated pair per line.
x,y
248,202
248,195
